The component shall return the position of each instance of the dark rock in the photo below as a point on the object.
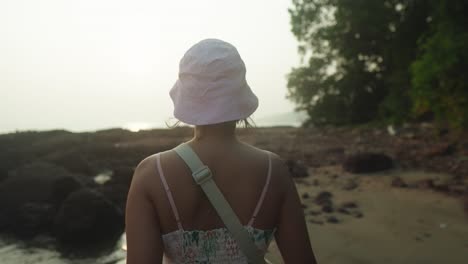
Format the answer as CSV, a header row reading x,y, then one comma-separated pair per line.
x,y
86,218
443,131
33,191
349,185
116,193
315,182
317,222
357,214
323,198
304,206
62,187
328,208
457,189
33,218
122,176
3,174
312,212
441,187
349,205
297,169
398,182
441,149
425,184
367,162
344,210
305,196
332,219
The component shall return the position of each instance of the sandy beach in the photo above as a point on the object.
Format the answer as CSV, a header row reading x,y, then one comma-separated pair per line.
x,y
398,225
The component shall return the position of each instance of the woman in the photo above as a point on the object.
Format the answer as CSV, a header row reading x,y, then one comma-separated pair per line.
x,y
169,219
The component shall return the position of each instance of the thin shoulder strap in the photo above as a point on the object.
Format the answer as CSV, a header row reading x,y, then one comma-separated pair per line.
x,y
168,193
264,191
202,176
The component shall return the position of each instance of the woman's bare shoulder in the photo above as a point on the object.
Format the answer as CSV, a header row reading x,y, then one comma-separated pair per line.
x,y
278,164
146,172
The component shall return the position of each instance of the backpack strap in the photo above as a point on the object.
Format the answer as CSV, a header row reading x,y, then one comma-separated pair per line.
x,y
203,177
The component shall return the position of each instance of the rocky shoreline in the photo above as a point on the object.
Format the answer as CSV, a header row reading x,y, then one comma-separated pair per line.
x,y
73,186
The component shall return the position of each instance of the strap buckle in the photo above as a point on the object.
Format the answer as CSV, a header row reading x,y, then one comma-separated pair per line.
x,y
202,175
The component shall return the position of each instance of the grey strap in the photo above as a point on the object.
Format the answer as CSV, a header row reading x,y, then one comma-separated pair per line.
x,y
203,177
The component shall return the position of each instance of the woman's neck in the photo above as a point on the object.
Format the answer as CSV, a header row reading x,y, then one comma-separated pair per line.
x,y
217,133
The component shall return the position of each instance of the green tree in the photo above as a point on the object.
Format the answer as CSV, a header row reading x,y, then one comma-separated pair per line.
x,y
358,54
440,79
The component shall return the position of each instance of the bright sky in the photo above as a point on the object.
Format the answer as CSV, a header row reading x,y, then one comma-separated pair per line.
x,y
93,64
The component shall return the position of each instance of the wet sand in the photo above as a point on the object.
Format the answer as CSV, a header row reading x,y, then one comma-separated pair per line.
x,y
398,225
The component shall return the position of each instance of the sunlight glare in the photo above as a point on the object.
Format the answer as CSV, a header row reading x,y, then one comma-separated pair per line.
x,y
137,126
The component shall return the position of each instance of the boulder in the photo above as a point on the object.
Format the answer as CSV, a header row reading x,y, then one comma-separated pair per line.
x,y
367,162
297,168
33,218
441,149
333,219
398,182
349,208
349,205
457,189
116,193
122,175
3,174
425,184
357,214
87,218
324,198
328,208
31,195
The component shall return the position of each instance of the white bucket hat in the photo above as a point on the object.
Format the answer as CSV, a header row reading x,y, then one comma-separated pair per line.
x,y
212,88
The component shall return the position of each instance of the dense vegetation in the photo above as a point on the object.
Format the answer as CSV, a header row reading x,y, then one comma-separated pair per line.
x,y
391,61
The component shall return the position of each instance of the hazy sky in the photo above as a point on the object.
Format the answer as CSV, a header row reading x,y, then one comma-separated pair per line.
x,y
93,64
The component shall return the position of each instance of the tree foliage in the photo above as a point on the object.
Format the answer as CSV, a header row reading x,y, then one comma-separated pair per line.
x,y
440,81
366,60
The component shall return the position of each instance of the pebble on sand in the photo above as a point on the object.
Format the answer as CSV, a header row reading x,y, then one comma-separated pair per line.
x,y
332,219
328,208
398,182
323,198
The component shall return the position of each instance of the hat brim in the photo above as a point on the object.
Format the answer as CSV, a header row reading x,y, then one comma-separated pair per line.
x,y
207,111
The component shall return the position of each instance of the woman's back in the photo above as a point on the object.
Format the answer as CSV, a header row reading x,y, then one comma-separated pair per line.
x,y
244,175
240,172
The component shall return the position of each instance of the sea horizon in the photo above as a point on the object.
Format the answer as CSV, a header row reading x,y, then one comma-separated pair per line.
x,y
292,119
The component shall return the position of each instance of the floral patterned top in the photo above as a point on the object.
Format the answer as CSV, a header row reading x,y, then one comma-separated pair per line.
x,y
212,246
